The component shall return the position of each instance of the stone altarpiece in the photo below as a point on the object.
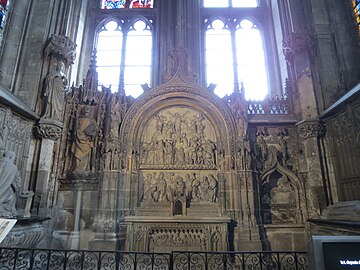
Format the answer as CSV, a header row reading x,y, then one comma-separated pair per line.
x,y
181,169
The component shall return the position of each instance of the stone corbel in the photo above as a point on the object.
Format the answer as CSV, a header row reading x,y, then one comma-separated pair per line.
x,y
311,129
48,129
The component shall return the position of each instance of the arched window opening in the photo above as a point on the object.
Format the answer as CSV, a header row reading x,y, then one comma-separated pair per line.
x,y
235,56
109,48
251,65
219,58
124,56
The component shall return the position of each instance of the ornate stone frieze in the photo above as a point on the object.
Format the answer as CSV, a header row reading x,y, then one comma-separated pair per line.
x,y
310,129
62,48
48,129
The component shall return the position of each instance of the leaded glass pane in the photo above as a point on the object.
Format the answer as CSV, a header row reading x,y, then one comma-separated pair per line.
x,y
219,58
356,7
141,4
112,4
251,62
216,3
117,4
244,3
4,5
109,49
137,58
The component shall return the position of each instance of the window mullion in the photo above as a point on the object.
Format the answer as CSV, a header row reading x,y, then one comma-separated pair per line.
x,y
235,64
122,62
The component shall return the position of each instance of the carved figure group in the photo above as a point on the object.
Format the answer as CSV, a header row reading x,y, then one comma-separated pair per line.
x,y
170,187
179,141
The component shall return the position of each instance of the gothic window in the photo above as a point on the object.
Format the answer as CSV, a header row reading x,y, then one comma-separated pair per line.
x,y
124,48
356,7
115,4
235,57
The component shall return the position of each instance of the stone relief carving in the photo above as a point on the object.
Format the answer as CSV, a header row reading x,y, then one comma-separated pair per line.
x,y
278,200
179,139
170,186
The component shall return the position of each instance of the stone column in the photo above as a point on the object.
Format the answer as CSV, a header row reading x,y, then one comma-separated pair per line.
x,y
49,132
318,195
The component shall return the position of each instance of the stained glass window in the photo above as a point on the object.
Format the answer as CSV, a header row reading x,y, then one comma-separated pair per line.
x,y
356,7
4,6
117,4
124,55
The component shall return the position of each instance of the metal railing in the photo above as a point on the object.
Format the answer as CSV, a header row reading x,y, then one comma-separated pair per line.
x,y
21,259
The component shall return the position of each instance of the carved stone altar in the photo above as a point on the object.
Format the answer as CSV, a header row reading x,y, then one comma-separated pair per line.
x,y
161,235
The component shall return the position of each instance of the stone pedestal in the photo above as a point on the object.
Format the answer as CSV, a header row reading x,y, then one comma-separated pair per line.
x,y
150,234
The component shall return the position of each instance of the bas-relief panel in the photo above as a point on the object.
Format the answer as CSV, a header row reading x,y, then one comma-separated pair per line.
x,y
179,157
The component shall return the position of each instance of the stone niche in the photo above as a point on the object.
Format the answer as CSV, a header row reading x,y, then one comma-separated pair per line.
x,y
179,207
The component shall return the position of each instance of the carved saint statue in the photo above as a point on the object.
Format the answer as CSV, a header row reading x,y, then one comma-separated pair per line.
x,y
54,92
10,183
84,140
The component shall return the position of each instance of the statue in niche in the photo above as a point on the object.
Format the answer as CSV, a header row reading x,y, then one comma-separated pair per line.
x,y
10,182
56,83
180,158
84,140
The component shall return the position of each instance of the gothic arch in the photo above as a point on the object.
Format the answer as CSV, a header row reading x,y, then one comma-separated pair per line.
x,y
268,186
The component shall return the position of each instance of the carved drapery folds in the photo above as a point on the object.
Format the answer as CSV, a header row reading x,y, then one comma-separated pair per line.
x,y
177,156
59,53
85,116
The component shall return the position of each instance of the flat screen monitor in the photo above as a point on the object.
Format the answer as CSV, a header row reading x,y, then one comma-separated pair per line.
x,y
335,253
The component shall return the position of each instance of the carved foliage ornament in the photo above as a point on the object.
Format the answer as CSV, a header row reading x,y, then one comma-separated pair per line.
x,y
62,48
48,131
311,129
